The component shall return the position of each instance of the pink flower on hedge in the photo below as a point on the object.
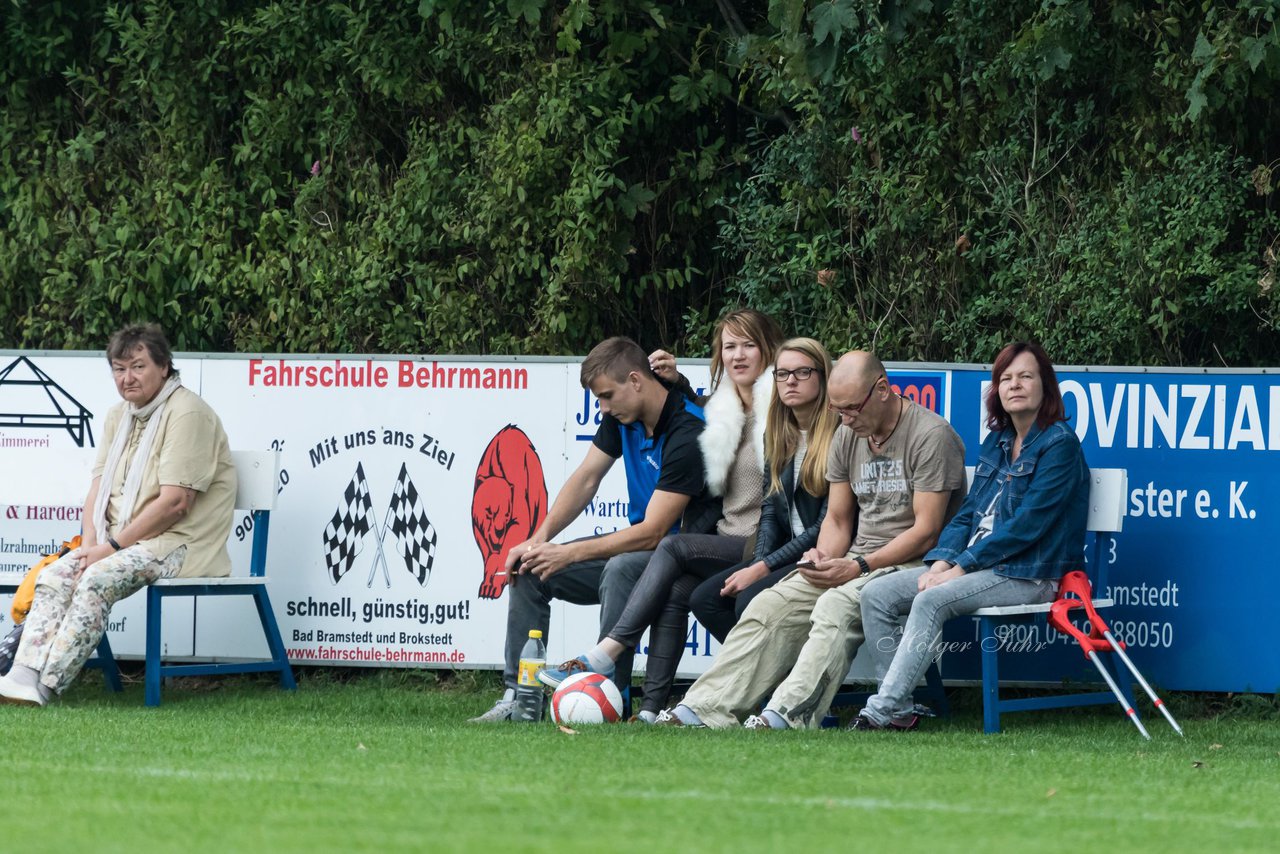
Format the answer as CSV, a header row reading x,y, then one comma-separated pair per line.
x,y
315,169
857,137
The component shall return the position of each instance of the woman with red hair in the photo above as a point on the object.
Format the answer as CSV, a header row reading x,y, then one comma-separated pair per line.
x,y
1020,529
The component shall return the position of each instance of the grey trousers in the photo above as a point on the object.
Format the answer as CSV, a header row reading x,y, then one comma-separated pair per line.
x,y
606,582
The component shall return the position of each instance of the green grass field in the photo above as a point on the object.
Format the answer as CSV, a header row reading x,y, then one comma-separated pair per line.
x,y
384,761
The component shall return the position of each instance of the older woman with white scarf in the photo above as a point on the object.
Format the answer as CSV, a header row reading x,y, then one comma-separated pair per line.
x,y
160,505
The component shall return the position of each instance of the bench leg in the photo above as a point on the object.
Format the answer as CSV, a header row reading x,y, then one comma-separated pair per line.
x,y
937,693
110,671
274,642
153,646
990,676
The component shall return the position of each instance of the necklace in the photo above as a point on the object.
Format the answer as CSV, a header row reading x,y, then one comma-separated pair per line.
x,y
879,443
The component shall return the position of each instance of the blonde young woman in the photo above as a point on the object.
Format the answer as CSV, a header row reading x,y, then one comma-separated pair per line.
x,y
795,419
797,438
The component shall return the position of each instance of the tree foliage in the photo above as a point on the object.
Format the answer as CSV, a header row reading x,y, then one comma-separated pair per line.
x,y
526,176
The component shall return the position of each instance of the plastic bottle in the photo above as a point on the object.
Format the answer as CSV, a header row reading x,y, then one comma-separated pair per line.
x,y
530,699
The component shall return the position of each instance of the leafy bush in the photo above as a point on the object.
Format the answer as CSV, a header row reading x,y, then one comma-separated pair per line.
x,y
926,177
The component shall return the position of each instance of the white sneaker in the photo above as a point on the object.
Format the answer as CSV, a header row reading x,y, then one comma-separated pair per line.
x,y
670,717
502,710
21,695
667,717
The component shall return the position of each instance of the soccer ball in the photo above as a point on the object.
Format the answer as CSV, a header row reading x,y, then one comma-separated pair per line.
x,y
586,698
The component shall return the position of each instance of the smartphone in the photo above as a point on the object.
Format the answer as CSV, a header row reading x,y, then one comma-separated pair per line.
x,y
806,564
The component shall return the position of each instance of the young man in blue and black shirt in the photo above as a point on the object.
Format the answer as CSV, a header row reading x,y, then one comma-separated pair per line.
x,y
655,432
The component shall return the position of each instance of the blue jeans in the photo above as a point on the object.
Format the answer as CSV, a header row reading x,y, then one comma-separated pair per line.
x,y
899,666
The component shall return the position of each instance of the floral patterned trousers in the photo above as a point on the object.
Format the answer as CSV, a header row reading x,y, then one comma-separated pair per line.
x,y
69,612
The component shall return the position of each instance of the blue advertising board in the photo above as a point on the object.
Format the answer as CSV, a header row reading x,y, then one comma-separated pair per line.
x,y
1191,574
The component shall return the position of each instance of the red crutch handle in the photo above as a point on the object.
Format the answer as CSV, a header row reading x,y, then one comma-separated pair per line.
x,y
1077,584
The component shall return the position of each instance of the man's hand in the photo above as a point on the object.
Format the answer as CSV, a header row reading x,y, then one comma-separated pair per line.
x,y
831,572
663,364
812,556
517,553
940,572
744,578
546,559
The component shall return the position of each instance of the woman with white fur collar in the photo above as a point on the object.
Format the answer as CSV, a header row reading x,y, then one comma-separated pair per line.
x,y
733,455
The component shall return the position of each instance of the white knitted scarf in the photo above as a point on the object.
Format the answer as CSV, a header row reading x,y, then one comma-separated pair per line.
x,y
133,476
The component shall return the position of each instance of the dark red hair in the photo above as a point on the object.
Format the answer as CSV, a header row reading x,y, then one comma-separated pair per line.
x,y
1051,409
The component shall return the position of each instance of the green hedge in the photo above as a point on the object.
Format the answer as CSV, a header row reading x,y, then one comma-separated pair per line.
x,y
526,176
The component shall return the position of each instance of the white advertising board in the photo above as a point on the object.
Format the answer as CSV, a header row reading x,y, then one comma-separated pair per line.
x,y
400,482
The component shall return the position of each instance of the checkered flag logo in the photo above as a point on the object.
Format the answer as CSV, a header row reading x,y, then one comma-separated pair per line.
x,y
415,535
346,531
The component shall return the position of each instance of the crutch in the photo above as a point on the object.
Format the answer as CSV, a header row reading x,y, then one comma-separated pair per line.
x,y
1098,640
1118,648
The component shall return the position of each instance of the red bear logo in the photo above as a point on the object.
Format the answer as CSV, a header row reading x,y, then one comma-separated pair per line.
x,y
510,502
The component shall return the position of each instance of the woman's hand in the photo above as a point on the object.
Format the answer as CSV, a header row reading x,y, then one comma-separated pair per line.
x,y
744,578
91,555
663,364
940,572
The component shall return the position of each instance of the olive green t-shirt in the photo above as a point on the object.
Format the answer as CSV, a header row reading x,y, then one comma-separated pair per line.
x,y
924,454
190,450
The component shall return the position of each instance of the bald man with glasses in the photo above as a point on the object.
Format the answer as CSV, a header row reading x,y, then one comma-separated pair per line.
x,y
896,472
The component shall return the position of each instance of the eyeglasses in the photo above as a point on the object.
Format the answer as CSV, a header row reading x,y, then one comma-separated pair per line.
x,y
781,375
854,410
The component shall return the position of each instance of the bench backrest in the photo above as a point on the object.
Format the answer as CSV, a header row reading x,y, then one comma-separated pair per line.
x,y
1107,488
60,478
256,473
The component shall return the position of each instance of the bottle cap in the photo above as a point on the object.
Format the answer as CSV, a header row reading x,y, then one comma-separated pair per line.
x,y
535,633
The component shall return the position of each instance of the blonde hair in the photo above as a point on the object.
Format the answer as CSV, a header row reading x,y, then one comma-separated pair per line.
x,y
748,323
782,428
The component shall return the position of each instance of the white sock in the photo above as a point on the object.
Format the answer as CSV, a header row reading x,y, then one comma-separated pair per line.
x,y
46,693
648,716
687,716
775,720
25,676
598,660
509,695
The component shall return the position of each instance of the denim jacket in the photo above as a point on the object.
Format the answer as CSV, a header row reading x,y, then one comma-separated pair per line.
x,y
1040,516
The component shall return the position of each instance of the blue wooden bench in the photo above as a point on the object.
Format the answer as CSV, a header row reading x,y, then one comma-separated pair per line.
x,y
256,473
